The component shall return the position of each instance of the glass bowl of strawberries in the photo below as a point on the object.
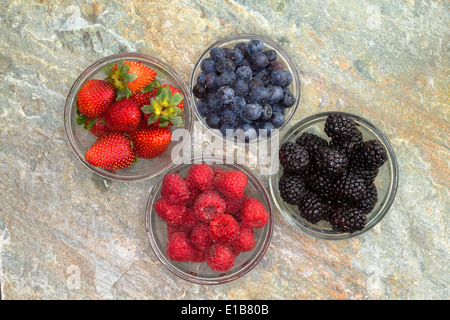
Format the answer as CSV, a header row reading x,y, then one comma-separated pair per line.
x,y
121,113
209,222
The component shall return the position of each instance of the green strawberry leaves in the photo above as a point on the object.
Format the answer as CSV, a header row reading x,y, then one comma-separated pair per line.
x,y
119,76
83,120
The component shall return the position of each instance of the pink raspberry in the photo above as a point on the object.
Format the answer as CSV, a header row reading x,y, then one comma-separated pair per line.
x,y
245,241
194,192
171,230
201,176
200,237
199,256
223,228
231,183
174,189
179,248
220,257
171,213
254,214
234,205
191,219
217,171
208,205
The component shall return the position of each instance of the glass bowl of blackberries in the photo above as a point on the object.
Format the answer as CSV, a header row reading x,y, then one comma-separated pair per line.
x,y
337,176
246,87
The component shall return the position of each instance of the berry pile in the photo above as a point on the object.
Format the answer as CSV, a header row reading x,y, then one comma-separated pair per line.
x,y
209,216
245,88
332,181
130,113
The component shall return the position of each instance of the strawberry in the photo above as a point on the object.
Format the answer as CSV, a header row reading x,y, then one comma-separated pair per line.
x,y
129,77
150,142
94,97
112,151
166,107
123,115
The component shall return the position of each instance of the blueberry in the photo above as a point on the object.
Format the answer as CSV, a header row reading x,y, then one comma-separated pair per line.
x,y
227,130
277,119
235,55
225,65
199,91
259,95
243,62
266,126
266,112
238,104
226,79
242,119
211,101
271,54
275,94
244,73
278,108
255,46
275,65
289,77
208,65
202,108
246,132
225,94
217,53
213,120
264,76
201,78
241,46
252,111
288,98
278,78
228,117
255,82
210,80
240,87
259,61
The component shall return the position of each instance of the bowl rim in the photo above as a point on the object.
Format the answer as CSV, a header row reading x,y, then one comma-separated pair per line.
x,y
248,36
84,76
393,183
216,280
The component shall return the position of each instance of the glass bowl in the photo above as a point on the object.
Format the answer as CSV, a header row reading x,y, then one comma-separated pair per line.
x,y
200,273
282,56
386,180
80,139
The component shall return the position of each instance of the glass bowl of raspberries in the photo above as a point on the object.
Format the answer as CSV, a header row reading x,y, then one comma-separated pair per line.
x,y
245,87
337,176
120,115
209,222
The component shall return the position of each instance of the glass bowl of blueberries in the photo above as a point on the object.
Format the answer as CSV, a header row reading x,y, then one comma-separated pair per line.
x,y
245,87
337,176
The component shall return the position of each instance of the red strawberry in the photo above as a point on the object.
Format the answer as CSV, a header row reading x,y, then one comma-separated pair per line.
x,y
231,183
112,151
94,97
123,116
151,142
96,126
166,107
129,77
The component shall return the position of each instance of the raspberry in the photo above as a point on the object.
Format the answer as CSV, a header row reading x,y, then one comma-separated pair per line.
x,y
200,237
223,229
193,193
245,241
201,176
254,214
171,213
190,219
179,248
171,230
234,205
208,205
174,188
220,257
199,256
231,183
217,171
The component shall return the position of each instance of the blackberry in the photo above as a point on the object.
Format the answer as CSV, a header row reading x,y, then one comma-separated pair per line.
x,y
311,142
348,147
320,184
292,189
349,187
340,127
313,208
330,162
294,158
368,175
348,219
369,201
372,154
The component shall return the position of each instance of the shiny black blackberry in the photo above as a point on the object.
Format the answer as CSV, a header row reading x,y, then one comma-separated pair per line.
x,y
292,189
348,219
313,208
349,187
330,162
370,199
372,154
340,127
294,158
320,184
311,142
348,147
368,175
